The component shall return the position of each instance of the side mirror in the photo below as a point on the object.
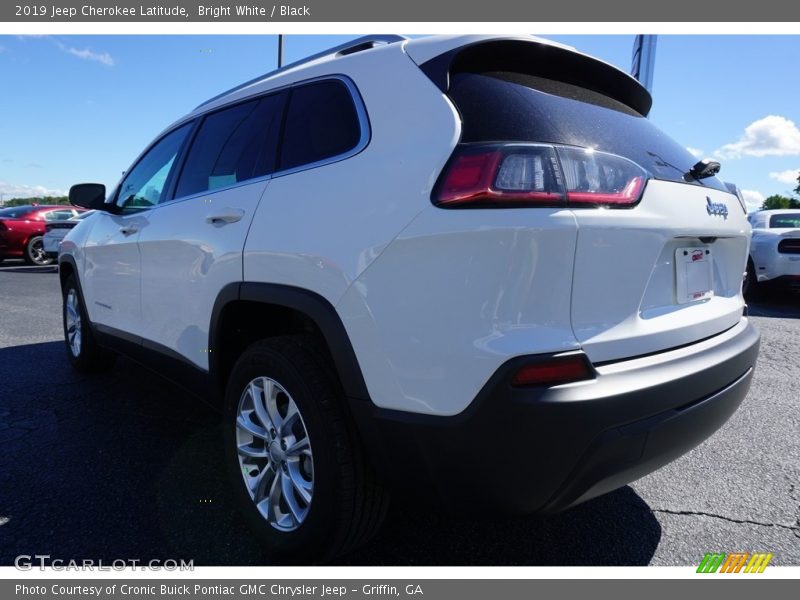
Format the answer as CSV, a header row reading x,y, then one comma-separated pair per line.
x,y
89,195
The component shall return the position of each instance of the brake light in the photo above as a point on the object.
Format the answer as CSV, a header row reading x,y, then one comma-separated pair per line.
x,y
554,371
538,175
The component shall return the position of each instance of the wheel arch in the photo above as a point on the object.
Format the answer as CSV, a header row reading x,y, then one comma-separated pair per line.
x,y
67,267
268,309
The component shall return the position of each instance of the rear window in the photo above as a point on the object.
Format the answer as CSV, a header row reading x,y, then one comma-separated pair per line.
x,y
503,106
784,221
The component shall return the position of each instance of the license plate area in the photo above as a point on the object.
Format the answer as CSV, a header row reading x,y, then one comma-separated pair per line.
x,y
693,274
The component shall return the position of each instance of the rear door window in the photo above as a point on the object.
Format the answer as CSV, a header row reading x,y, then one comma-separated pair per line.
x,y
321,123
233,145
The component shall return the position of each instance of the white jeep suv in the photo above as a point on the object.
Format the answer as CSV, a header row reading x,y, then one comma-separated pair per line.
x,y
463,267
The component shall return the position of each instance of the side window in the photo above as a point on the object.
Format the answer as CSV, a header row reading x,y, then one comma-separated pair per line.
x,y
321,123
233,145
145,184
58,215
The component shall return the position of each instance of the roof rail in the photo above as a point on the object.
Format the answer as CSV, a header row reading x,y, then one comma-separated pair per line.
x,y
357,45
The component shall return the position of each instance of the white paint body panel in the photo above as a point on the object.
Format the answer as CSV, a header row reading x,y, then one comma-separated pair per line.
x,y
456,295
624,294
186,261
111,277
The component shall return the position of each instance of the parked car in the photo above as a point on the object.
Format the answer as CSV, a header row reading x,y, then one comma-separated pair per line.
x,y
465,267
55,232
22,229
775,249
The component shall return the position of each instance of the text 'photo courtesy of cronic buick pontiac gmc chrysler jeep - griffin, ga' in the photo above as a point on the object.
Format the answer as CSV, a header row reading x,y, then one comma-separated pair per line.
x,y
466,268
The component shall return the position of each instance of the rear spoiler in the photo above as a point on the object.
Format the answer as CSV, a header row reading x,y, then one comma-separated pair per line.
x,y
545,60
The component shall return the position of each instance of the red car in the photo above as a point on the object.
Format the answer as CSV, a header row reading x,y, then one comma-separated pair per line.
x,y
22,228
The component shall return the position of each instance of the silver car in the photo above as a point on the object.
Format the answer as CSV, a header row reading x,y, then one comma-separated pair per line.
x,y
56,232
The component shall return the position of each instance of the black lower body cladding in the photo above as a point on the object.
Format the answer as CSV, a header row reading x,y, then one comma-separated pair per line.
x,y
525,450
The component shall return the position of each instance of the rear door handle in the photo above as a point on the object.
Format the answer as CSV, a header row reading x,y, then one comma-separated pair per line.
x,y
225,215
128,229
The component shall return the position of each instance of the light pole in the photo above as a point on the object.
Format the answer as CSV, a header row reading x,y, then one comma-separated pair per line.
x,y
643,61
280,50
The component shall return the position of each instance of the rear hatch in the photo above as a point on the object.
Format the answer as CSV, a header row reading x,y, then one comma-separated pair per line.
x,y
660,254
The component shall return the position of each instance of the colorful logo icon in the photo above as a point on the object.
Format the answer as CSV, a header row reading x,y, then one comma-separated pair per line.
x,y
735,562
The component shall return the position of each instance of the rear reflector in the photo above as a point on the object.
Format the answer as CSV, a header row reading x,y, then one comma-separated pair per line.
x,y
511,175
553,371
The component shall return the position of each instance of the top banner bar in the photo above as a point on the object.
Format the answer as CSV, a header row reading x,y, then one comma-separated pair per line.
x,y
321,11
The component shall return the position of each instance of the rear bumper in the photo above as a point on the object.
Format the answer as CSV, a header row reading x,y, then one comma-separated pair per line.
x,y
781,265
546,449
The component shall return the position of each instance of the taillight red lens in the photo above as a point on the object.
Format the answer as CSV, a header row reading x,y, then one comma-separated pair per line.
x,y
470,176
554,371
538,175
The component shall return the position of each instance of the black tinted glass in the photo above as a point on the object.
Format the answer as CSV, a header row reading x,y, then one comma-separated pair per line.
x,y
16,212
321,122
785,221
233,145
502,106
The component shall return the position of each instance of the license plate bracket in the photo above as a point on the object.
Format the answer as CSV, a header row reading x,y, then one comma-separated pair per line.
x,y
693,274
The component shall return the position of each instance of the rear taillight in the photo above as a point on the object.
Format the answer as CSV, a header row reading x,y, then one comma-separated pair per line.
x,y
789,246
554,371
512,175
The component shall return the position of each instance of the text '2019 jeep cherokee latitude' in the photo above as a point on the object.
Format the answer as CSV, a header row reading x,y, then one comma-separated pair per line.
x,y
467,266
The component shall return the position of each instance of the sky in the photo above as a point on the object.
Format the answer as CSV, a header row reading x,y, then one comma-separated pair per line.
x,y
80,108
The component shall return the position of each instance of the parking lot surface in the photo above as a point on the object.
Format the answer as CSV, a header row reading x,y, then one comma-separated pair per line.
x,y
125,465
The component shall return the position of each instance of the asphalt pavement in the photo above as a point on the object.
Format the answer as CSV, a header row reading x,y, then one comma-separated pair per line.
x,y
126,465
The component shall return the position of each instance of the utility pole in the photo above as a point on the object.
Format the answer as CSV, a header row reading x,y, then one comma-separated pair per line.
x,y
280,50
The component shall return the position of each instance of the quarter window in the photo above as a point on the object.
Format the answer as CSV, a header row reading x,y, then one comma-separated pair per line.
x,y
145,185
233,145
321,123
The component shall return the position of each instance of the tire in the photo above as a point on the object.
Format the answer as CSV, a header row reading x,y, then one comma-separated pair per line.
x,y
750,286
34,252
329,501
83,352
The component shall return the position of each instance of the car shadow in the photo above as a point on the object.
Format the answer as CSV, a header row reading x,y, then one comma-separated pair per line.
x,y
124,464
616,529
776,302
23,268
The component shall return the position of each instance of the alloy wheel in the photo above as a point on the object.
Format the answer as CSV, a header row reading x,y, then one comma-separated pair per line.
x,y
73,321
274,453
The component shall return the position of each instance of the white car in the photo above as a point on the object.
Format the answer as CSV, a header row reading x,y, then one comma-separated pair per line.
x,y
467,267
55,232
775,248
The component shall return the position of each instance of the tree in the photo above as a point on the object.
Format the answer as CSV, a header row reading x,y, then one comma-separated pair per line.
x,y
778,201
797,189
37,200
